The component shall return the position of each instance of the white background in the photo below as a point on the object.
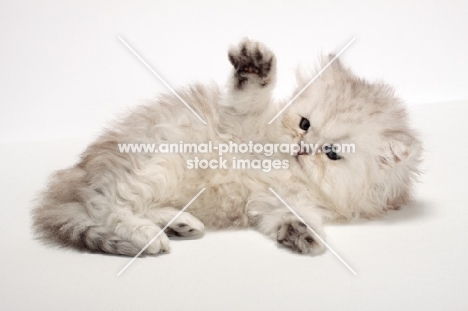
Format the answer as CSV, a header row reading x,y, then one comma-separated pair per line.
x,y
64,74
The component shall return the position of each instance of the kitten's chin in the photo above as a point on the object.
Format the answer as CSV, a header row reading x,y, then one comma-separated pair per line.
x,y
297,167
299,160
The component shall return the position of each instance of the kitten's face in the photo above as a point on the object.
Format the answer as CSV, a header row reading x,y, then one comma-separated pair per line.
x,y
340,109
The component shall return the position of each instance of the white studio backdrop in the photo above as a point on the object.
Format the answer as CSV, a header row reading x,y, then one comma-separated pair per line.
x,y
64,73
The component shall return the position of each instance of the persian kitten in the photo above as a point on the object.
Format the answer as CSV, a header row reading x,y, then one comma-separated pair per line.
x,y
116,202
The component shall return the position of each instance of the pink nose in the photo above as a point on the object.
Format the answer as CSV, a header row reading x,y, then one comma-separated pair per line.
x,y
302,152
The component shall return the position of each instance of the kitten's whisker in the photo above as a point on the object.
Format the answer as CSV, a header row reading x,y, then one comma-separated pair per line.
x,y
161,79
311,81
315,233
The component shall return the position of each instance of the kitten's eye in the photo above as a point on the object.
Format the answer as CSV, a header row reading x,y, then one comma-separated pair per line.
x,y
332,155
304,124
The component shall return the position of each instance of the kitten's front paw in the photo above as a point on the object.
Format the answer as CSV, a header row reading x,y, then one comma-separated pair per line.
x,y
186,226
294,234
253,63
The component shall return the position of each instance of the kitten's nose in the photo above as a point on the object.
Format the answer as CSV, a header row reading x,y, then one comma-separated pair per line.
x,y
302,151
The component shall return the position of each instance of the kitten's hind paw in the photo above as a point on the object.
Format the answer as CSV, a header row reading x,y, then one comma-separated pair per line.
x,y
144,234
186,226
253,63
294,234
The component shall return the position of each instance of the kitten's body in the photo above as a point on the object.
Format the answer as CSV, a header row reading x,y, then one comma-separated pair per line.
x,y
117,202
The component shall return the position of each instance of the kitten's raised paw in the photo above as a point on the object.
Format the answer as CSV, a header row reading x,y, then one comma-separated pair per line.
x,y
295,235
253,63
186,226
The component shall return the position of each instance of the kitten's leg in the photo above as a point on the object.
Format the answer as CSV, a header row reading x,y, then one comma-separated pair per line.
x,y
185,225
277,222
249,91
139,231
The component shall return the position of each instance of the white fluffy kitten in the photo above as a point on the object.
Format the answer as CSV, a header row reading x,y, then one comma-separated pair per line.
x,y
116,202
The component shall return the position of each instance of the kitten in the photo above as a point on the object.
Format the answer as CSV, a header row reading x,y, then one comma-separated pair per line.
x,y
116,202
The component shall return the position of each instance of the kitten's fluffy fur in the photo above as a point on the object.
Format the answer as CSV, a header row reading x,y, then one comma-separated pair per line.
x,y
116,202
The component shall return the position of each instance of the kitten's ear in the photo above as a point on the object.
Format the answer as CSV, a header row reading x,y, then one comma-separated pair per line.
x,y
333,72
303,76
335,69
398,147
328,58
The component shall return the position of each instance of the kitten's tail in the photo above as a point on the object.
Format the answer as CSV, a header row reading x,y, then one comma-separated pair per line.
x,y
79,233
62,220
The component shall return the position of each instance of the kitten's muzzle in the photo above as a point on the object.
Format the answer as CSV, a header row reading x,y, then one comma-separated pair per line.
x,y
302,151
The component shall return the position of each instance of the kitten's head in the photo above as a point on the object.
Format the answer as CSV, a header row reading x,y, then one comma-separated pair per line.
x,y
338,108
